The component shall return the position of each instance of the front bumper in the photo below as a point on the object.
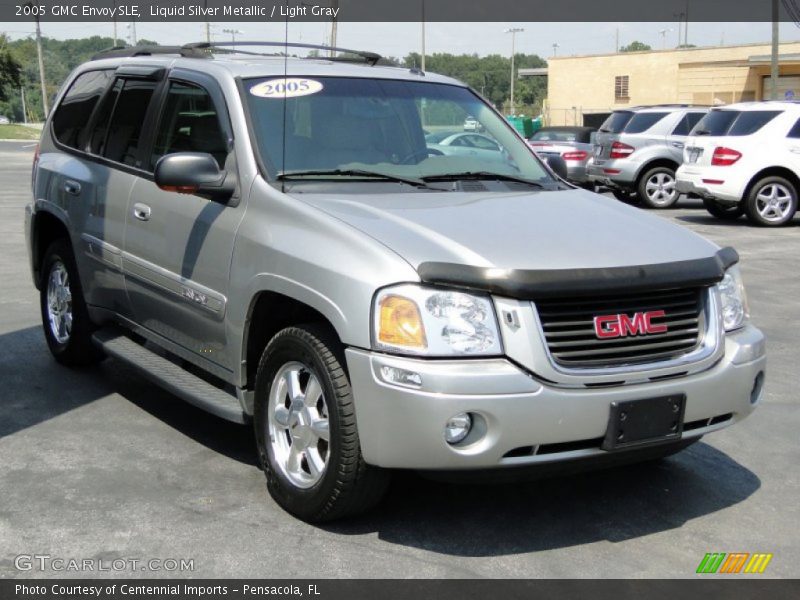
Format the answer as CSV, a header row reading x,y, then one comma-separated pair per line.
x,y
400,427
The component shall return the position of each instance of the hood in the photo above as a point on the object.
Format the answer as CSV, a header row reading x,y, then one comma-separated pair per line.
x,y
558,230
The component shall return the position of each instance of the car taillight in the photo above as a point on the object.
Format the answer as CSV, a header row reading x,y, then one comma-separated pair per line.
x,y
620,150
724,157
576,155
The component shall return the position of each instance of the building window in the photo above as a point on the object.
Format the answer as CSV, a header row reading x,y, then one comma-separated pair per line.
x,y
621,88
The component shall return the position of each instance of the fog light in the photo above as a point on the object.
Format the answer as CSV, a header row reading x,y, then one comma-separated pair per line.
x,y
457,428
402,377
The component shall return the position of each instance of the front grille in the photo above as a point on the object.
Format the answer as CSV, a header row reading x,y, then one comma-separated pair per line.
x,y
569,329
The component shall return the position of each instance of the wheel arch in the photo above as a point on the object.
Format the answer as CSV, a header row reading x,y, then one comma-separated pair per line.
x,y
774,171
269,312
45,229
656,162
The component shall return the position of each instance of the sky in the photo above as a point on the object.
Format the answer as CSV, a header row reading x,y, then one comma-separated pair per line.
x,y
398,39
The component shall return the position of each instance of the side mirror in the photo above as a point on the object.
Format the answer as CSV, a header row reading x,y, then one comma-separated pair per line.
x,y
558,165
194,173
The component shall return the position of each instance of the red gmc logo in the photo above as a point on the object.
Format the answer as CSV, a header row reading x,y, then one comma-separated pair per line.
x,y
641,323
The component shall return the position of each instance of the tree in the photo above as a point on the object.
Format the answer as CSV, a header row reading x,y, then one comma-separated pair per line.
x,y
9,70
635,47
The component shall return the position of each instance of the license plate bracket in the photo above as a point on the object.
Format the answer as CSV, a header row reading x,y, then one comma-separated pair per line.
x,y
634,423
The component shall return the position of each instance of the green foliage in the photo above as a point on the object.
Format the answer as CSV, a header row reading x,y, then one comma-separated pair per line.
x,y
635,47
491,76
60,58
9,70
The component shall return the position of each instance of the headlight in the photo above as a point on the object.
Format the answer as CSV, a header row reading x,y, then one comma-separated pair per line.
x,y
419,320
734,301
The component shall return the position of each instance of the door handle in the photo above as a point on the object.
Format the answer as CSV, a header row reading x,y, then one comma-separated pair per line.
x,y
794,150
72,187
141,211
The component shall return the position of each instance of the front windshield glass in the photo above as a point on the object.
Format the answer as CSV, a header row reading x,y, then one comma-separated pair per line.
x,y
403,129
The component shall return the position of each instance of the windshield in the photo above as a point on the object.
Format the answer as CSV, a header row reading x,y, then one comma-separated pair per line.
x,y
340,127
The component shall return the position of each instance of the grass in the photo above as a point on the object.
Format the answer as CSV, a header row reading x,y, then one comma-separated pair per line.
x,y
19,132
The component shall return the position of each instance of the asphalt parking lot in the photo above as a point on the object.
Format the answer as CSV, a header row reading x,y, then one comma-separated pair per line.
x,y
100,464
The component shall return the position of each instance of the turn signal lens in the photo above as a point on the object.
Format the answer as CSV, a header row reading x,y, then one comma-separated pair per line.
x,y
400,323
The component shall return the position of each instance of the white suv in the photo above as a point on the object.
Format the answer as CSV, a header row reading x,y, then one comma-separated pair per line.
x,y
745,158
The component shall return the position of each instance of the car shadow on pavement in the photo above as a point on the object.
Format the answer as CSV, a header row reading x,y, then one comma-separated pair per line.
x,y
35,388
609,505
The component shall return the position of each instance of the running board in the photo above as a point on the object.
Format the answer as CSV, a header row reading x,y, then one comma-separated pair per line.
x,y
169,376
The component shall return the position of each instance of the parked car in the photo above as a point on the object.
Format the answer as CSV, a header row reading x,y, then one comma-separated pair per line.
x,y
638,150
4,120
468,144
745,158
471,124
573,144
272,241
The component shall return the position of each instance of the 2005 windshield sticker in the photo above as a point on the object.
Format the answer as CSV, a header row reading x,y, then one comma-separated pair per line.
x,y
289,87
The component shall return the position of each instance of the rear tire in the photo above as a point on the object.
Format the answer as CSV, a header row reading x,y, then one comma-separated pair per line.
x,y
302,397
656,188
726,212
771,202
65,318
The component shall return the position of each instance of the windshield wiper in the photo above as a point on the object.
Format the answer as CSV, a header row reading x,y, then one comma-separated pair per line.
x,y
482,175
289,175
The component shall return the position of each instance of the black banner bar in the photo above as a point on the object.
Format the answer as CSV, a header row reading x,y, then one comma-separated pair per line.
x,y
732,586
395,11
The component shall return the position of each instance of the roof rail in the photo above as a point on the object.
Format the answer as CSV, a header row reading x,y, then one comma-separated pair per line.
x,y
127,51
370,58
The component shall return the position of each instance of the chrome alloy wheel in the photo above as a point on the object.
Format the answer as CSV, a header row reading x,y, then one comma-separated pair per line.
x,y
298,424
59,303
660,188
774,202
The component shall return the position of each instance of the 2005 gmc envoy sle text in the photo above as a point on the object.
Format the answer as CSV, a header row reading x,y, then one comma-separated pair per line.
x,y
274,240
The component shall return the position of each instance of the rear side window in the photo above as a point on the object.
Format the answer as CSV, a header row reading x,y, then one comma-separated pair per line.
x,y
686,124
643,121
72,115
125,128
616,122
190,123
734,122
751,121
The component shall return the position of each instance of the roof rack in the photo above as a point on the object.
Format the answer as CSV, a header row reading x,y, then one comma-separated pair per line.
x,y
206,49
370,58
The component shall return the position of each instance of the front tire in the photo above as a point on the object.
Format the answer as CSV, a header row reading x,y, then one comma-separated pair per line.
x,y
771,202
656,188
726,212
65,318
306,430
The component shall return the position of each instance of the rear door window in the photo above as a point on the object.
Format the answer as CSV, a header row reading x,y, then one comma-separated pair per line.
x,y
687,123
125,127
715,123
616,122
734,122
794,132
751,121
641,122
72,115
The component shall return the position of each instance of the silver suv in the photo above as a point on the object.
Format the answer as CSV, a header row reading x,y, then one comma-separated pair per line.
x,y
638,150
272,240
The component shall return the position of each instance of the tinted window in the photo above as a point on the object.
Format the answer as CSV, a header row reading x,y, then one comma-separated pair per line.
x,y
643,121
189,123
125,129
616,122
562,135
716,122
751,121
72,115
686,124
98,137
794,132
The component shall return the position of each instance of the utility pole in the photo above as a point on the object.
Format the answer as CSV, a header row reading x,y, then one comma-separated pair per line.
x,y
208,25
24,108
774,59
555,49
513,31
686,27
616,41
114,19
335,26
132,30
233,33
423,36
45,107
